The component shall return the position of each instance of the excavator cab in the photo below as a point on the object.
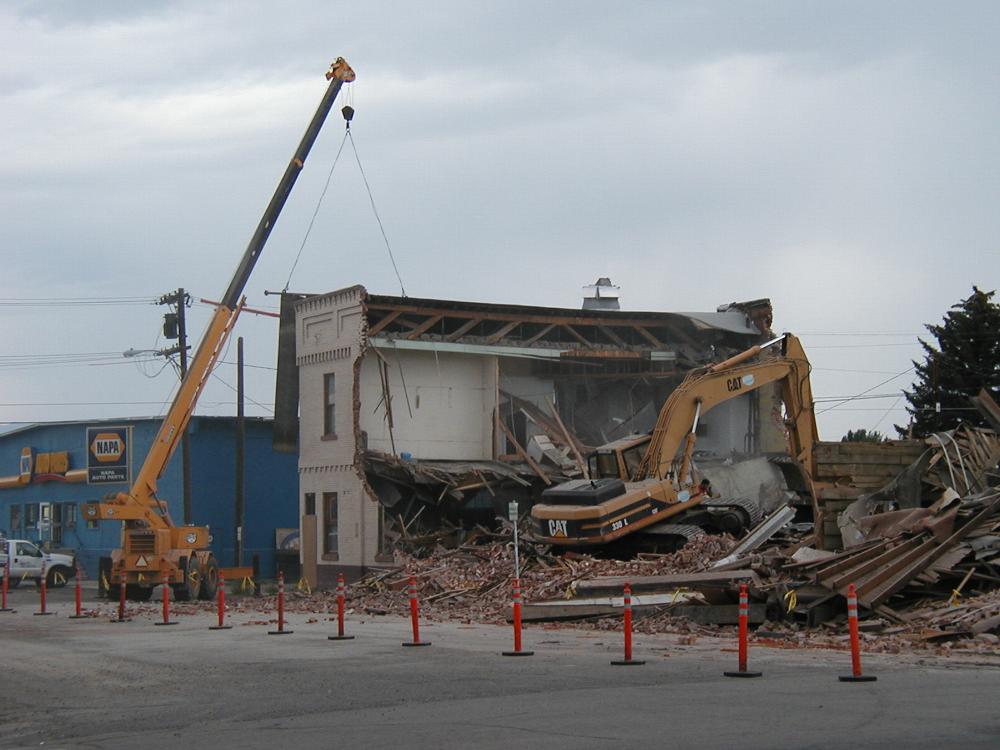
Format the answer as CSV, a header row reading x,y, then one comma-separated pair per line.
x,y
618,460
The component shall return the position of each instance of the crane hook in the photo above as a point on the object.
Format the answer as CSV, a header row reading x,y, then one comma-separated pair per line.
x,y
348,112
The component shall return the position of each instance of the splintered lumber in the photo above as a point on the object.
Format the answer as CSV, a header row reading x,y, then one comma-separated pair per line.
x,y
702,614
523,453
612,585
600,606
569,439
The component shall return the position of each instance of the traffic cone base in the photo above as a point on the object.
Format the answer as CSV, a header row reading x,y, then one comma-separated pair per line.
x,y
419,643
171,622
220,627
627,662
340,637
742,674
857,678
517,653
42,614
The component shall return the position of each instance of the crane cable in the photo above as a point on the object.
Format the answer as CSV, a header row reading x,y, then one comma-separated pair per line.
x,y
348,113
316,211
375,211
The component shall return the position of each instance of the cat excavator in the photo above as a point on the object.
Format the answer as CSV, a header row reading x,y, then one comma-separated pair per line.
x,y
153,546
643,492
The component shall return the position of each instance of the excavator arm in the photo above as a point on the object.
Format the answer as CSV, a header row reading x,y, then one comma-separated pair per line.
x,y
706,388
590,512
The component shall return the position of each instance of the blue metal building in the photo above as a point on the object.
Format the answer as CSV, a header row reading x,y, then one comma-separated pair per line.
x,y
48,470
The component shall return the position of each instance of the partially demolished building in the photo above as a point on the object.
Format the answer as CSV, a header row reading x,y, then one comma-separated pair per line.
x,y
423,414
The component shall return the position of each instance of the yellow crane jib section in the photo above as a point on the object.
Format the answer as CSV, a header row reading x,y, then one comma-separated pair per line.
x,y
169,435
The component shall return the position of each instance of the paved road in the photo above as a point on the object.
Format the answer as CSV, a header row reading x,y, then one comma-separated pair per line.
x,y
97,684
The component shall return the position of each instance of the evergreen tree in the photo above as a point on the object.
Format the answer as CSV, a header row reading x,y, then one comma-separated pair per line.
x,y
965,359
862,435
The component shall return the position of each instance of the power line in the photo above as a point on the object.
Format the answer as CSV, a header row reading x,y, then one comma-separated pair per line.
x,y
863,372
878,385
111,403
826,399
73,301
860,346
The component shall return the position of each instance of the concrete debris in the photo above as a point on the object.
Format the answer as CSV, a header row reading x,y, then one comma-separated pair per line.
x,y
758,535
927,574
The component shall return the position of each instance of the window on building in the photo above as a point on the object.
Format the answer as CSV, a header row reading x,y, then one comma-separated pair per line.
x,y
69,515
30,515
15,519
56,527
330,523
310,504
329,426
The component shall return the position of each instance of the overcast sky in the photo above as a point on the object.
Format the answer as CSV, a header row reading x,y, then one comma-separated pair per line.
x,y
838,158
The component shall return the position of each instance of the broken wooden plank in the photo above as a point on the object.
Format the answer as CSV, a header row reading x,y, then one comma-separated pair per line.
x,y
569,439
523,453
612,585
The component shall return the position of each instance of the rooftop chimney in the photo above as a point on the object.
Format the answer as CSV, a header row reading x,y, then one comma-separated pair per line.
x,y
601,295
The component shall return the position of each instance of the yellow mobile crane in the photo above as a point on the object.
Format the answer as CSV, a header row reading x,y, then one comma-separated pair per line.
x,y
152,544
646,484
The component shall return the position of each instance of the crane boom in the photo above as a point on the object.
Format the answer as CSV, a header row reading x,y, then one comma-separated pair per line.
x,y
150,537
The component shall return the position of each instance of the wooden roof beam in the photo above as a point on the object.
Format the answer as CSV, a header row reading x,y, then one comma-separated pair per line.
x,y
615,338
540,334
464,328
648,335
663,319
427,324
575,334
504,330
378,327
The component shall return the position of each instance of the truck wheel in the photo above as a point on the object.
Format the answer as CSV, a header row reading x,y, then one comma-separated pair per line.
x,y
189,590
210,579
57,577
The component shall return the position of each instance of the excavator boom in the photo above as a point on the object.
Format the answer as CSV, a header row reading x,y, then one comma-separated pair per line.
x,y
598,511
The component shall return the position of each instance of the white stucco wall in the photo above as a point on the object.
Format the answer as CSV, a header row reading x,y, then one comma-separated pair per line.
x,y
442,404
328,340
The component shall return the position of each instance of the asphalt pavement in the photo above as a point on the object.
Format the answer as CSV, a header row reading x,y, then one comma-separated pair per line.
x,y
93,683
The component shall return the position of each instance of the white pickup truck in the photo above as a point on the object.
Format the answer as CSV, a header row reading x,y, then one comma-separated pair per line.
x,y
26,562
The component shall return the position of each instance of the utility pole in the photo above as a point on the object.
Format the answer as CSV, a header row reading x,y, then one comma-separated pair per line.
x,y
240,453
175,327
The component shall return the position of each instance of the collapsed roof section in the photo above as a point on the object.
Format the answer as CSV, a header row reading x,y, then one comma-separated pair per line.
x,y
661,340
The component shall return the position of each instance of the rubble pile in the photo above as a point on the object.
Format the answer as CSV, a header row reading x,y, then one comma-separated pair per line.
x,y
472,582
922,550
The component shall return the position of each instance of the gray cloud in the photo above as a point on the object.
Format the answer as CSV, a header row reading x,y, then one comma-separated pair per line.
x,y
838,159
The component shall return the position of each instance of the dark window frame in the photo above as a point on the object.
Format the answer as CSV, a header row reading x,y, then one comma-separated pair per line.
x,y
329,406
331,526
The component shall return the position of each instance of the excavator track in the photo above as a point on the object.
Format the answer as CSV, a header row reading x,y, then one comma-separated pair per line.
x,y
668,537
686,530
751,510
